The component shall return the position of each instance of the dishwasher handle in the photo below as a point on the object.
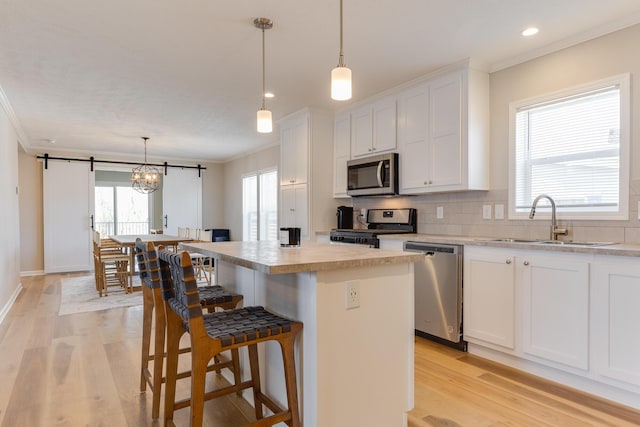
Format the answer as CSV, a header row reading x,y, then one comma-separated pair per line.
x,y
432,248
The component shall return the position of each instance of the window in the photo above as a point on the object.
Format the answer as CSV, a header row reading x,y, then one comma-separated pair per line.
x,y
573,146
260,206
121,210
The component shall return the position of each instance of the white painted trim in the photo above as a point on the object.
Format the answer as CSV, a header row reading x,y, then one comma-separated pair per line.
x,y
13,119
12,300
32,273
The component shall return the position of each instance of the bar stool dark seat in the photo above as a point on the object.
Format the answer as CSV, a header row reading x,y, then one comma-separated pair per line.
x,y
212,297
213,333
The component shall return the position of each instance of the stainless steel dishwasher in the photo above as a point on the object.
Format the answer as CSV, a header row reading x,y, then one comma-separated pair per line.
x,y
438,292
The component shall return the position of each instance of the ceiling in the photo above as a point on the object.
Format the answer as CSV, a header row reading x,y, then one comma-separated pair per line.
x,y
96,76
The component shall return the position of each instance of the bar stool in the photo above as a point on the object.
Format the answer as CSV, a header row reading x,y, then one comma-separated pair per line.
x,y
213,333
153,306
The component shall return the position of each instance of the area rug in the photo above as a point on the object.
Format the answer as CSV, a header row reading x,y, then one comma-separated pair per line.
x,y
79,295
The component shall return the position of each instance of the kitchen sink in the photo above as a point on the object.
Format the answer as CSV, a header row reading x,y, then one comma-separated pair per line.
x,y
574,243
511,240
549,242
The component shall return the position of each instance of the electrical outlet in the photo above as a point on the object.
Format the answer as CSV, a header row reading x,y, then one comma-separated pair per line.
x,y
486,212
440,212
351,294
499,211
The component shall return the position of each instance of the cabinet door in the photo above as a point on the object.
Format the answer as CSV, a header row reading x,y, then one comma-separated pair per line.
x,y
384,125
555,301
293,208
615,318
341,154
413,143
445,156
489,297
294,148
361,132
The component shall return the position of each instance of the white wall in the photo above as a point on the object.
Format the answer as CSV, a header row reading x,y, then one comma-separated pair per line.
x,y
9,214
31,215
213,193
233,171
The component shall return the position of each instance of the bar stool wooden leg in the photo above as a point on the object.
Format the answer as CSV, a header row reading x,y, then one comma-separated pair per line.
x,y
174,332
255,378
288,357
158,352
147,313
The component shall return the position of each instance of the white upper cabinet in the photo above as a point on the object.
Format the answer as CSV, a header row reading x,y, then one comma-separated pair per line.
x,y
443,134
341,153
294,147
373,128
306,188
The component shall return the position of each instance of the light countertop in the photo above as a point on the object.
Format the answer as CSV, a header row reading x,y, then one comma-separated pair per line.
x,y
268,257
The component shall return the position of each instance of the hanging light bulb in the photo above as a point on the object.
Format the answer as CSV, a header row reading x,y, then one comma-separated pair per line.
x,y
264,120
341,75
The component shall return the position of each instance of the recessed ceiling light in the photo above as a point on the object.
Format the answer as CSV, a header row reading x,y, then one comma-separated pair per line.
x,y
269,95
51,141
530,31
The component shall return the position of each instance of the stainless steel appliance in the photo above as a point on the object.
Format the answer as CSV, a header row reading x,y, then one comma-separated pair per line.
x,y
380,221
373,176
438,292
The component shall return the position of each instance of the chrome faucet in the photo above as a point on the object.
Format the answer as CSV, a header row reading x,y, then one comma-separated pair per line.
x,y
555,230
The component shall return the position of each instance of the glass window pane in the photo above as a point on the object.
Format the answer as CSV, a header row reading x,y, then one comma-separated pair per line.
x,y
269,206
132,211
250,207
569,148
104,213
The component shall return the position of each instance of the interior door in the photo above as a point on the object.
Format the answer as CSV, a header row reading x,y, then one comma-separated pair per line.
x,y
68,205
181,200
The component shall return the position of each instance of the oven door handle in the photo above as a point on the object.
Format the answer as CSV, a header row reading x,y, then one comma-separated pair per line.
x,y
379,173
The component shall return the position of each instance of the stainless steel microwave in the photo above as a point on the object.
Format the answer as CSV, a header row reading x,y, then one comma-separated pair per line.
x,y
373,176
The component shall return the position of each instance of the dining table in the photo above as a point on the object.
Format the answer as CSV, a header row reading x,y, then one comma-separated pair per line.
x,y
128,241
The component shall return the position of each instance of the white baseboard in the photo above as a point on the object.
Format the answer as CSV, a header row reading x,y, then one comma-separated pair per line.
x,y
32,273
7,307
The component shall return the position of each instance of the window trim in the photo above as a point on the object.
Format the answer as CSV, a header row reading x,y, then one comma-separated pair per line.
x,y
623,82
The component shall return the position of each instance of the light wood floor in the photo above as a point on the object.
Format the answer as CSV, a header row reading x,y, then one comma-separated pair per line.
x,y
82,370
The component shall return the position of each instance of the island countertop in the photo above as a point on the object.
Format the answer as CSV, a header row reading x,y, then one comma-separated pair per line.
x,y
268,257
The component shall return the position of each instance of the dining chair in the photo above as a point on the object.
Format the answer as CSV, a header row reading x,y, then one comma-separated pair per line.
x,y
111,265
202,264
213,333
212,298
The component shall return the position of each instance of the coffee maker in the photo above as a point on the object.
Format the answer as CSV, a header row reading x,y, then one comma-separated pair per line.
x,y
345,217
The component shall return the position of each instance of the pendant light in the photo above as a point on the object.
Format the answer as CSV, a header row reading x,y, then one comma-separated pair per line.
x,y
145,179
265,123
341,75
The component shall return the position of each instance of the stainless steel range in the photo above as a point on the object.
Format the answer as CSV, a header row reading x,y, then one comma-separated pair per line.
x,y
380,221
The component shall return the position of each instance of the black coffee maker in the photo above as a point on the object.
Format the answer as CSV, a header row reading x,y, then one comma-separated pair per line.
x,y
345,217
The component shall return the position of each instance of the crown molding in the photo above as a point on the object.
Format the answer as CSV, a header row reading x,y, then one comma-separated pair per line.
x,y
6,106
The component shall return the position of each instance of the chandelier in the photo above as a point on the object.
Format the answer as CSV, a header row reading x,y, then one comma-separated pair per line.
x,y
145,179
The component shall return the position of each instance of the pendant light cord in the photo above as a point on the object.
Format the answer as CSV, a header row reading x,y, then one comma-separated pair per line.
x,y
341,57
263,72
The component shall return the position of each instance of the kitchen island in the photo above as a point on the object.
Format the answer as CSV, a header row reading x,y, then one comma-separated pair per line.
x,y
354,365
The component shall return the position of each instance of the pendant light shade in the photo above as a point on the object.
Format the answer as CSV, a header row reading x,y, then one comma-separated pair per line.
x,y
264,121
341,75
341,83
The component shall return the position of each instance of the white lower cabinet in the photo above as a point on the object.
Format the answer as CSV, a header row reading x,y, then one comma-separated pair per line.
x,y
569,317
615,320
555,308
489,297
